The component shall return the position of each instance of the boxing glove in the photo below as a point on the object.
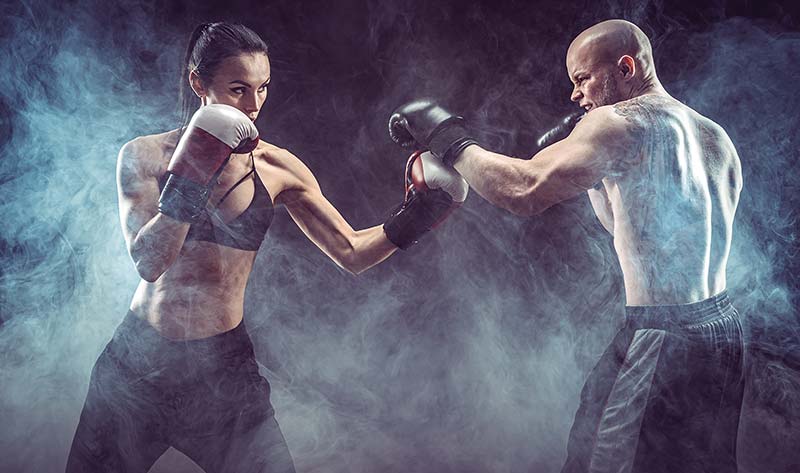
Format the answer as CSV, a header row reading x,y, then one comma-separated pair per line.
x,y
432,192
214,132
423,124
560,131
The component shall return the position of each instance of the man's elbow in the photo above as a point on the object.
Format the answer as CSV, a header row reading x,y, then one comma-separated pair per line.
x,y
534,197
525,204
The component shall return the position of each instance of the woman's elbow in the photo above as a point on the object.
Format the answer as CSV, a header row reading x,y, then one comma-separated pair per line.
x,y
350,263
148,272
150,269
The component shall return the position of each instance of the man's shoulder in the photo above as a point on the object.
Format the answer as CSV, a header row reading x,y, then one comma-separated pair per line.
x,y
611,122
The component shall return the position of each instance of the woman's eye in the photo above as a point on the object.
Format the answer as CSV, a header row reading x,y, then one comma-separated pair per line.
x,y
238,90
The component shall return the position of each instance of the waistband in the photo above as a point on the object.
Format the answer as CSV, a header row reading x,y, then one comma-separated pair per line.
x,y
679,315
138,332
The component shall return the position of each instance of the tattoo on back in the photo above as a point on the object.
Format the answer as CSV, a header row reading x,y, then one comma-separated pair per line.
x,y
628,108
634,112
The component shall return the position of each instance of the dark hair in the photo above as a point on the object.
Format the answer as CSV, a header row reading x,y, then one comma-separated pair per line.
x,y
209,45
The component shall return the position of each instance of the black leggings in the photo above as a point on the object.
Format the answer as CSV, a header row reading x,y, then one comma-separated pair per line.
x,y
666,395
203,397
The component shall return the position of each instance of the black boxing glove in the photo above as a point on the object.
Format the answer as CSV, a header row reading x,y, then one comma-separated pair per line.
x,y
433,191
560,131
423,124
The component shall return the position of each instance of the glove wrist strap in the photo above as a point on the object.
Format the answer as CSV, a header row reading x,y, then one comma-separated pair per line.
x,y
183,199
448,143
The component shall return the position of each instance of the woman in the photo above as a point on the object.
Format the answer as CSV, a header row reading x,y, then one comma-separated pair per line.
x,y
195,204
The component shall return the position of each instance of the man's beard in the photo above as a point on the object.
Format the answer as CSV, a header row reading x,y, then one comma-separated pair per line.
x,y
609,92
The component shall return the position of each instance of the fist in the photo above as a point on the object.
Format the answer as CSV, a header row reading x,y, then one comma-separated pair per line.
x,y
423,124
433,191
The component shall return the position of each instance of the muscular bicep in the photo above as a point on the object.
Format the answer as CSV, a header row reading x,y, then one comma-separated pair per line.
x,y
600,146
313,213
137,191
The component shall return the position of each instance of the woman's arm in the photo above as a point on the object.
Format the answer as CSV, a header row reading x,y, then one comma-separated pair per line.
x,y
153,239
355,251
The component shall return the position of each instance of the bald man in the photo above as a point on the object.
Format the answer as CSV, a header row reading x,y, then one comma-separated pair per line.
x,y
664,181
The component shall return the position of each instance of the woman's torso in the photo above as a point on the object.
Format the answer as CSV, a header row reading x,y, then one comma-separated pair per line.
x,y
202,293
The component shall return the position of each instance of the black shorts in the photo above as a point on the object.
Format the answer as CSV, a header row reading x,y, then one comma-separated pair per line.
x,y
203,397
666,395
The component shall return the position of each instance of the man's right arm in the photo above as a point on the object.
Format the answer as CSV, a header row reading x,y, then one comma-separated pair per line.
x,y
154,240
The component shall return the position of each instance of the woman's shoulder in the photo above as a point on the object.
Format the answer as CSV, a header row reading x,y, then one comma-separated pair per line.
x,y
148,154
148,144
273,155
282,162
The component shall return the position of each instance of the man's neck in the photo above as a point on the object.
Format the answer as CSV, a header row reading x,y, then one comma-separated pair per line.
x,y
647,87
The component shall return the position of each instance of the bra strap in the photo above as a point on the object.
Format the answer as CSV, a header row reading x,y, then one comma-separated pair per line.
x,y
252,170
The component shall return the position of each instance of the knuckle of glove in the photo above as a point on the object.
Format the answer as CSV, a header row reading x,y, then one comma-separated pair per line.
x,y
398,131
439,176
227,124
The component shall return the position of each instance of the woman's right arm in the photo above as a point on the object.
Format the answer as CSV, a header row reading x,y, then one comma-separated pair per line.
x,y
153,239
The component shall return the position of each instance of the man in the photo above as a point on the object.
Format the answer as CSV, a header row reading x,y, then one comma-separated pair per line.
x,y
665,182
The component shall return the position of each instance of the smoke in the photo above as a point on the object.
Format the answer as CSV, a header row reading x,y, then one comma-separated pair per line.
x,y
465,353
740,75
72,96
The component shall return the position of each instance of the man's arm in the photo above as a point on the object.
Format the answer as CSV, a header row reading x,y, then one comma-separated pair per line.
x,y
601,144
602,207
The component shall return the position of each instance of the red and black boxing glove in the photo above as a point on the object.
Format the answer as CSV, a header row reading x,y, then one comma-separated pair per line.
x,y
433,191
214,132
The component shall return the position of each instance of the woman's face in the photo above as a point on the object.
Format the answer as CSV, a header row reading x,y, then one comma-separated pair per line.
x,y
240,81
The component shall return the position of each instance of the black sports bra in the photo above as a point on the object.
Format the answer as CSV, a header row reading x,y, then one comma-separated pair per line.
x,y
246,231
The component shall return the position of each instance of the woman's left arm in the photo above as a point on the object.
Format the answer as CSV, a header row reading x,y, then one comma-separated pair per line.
x,y
355,251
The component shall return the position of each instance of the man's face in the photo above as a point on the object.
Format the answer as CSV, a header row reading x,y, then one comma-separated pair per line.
x,y
594,83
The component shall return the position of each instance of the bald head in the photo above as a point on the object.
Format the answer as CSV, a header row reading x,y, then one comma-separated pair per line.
x,y
610,40
614,57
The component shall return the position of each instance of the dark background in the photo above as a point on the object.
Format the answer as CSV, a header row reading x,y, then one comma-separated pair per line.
x,y
464,353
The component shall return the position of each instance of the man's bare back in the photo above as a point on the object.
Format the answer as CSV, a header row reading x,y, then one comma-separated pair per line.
x,y
671,214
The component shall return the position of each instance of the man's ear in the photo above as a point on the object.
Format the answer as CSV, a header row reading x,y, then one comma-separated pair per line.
x,y
627,66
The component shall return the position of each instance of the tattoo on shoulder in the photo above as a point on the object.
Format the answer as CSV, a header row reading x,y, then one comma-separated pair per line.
x,y
633,112
628,109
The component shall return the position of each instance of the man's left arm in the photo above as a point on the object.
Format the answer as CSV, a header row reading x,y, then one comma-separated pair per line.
x,y
601,144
